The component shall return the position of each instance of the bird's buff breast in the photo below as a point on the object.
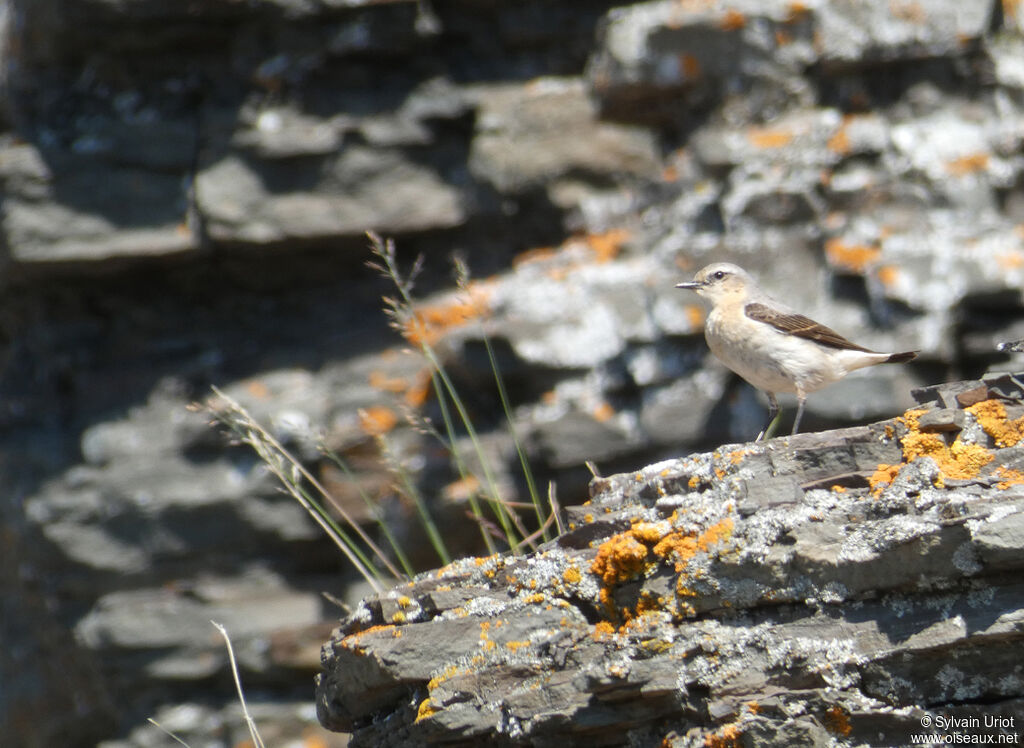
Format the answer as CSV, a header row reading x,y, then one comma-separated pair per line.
x,y
767,358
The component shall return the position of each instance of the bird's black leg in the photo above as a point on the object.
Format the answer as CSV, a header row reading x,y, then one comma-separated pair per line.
x,y
773,414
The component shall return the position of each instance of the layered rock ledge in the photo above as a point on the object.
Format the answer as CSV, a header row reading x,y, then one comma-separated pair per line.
x,y
860,586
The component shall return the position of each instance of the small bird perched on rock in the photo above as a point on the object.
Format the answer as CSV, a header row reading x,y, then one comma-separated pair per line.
x,y
771,346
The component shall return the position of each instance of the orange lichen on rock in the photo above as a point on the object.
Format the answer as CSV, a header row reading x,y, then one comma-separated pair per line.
x,y
855,257
461,490
796,11
837,721
732,20
606,246
380,380
728,737
957,461
683,546
429,323
888,275
763,137
603,630
632,552
694,315
536,254
619,558
1010,477
603,412
1010,260
991,414
377,420
840,142
737,455
969,164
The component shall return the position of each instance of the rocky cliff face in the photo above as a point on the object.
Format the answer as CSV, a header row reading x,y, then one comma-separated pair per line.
x,y
851,587
185,188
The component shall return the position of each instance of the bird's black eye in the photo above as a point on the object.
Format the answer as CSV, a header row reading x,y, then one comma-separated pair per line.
x,y
719,275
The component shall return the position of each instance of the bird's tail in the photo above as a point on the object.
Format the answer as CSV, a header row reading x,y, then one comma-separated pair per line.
x,y
901,358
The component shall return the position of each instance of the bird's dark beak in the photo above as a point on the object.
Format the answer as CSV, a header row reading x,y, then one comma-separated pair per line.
x,y
690,285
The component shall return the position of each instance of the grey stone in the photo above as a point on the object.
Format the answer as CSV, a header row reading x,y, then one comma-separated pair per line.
x,y
839,602
185,190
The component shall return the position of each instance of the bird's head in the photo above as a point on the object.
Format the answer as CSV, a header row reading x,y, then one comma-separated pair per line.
x,y
720,282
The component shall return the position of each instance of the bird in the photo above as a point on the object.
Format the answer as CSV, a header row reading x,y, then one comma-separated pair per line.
x,y
771,346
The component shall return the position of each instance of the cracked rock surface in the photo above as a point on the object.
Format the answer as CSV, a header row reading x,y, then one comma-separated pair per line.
x,y
840,588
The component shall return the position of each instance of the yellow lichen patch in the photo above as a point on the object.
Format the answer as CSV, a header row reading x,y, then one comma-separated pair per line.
x,y
649,603
404,601
767,138
693,482
1010,477
956,461
377,420
851,256
682,590
572,575
513,646
837,721
437,680
535,598
426,709
485,638
838,489
398,617
991,414
603,630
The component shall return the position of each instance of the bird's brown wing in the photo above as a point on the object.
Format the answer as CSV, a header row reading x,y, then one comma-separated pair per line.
x,y
801,326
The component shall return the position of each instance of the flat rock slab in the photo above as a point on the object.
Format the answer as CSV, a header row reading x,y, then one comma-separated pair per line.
x,y
755,593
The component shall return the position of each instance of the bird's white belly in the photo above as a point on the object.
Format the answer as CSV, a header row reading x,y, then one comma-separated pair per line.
x,y
770,359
